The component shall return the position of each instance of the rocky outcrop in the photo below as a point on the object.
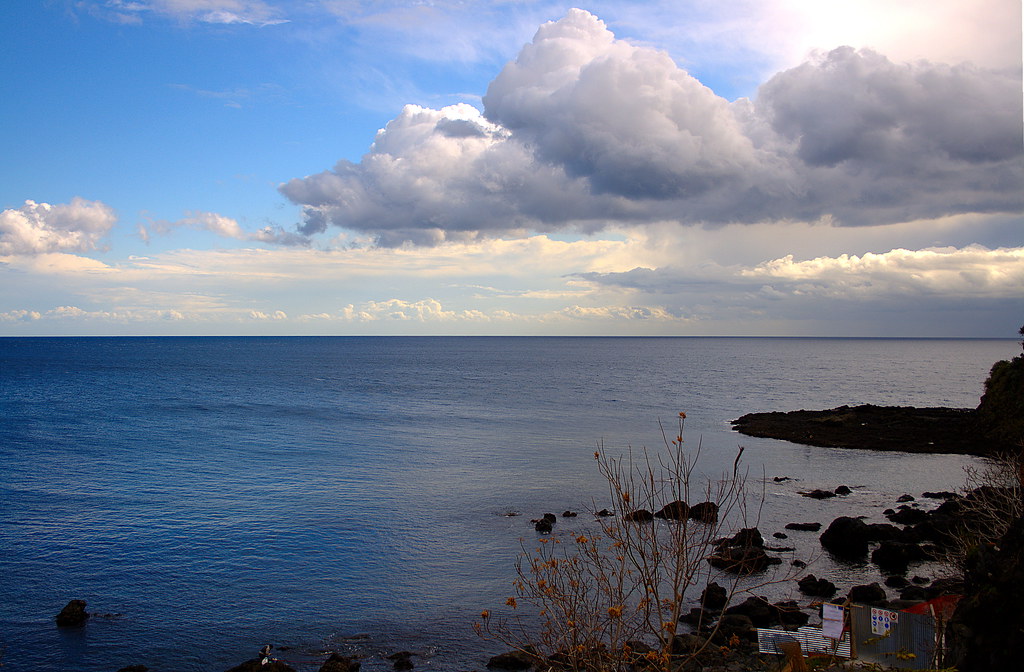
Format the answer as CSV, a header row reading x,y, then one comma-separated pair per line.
x,y
340,663
513,660
847,538
639,516
804,527
257,665
815,587
705,512
743,553
677,510
72,615
989,617
903,428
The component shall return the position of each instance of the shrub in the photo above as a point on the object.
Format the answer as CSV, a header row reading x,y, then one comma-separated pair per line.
x,y
611,599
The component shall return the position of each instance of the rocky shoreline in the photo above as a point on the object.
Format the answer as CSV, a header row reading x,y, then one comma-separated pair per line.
x,y
904,428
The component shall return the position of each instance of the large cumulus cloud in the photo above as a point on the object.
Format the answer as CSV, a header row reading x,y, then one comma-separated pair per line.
x,y
39,228
582,130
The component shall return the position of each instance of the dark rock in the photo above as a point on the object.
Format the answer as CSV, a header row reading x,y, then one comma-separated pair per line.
x,y
943,494
913,593
843,490
705,512
733,624
72,615
904,515
780,535
799,564
402,661
920,580
543,526
134,668
895,581
257,665
748,536
894,556
639,516
569,514
760,612
685,644
870,594
988,620
782,479
714,597
742,559
550,517
695,617
846,538
790,613
949,586
339,663
884,532
815,587
804,527
605,513
513,660
677,510
905,498
818,494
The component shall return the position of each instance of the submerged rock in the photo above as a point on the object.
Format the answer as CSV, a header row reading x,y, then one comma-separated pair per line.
x,y
340,663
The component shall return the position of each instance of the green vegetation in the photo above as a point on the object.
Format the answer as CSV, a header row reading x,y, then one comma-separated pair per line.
x,y
1001,412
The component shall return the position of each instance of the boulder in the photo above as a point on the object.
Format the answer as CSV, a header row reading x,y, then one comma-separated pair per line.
x,y
913,593
513,660
686,644
871,594
847,538
604,513
705,512
695,617
818,494
257,665
734,624
760,612
905,498
780,535
339,663
843,490
896,581
742,560
639,516
895,556
905,515
790,613
401,661
677,510
884,532
748,536
569,514
815,587
543,526
804,527
72,615
714,597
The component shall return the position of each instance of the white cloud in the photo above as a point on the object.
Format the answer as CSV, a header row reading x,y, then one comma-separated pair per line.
x,y
970,272
38,228
583,130
253,12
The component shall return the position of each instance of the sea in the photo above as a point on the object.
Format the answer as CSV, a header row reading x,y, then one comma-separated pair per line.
x,y
367,495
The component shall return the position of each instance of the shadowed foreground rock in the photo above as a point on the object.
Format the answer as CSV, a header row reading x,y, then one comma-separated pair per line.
x,y
989,616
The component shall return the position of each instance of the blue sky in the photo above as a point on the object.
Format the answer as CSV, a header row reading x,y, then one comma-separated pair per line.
x,y
779,167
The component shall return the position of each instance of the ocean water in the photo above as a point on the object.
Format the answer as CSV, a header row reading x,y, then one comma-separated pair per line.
x,y
209,495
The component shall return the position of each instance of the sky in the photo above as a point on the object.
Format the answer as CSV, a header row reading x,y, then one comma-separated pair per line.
x,y
515,167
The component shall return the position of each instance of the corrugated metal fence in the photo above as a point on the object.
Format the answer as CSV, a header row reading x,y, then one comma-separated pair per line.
x,y
910,640
894,638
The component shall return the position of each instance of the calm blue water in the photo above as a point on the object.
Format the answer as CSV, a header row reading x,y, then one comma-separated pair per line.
x,y
214,494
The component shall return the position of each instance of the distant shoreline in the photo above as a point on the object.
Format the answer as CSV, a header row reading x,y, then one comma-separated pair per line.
x,y
884,428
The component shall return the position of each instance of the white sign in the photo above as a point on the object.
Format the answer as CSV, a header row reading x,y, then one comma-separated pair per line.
x,y
832,621
882,620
